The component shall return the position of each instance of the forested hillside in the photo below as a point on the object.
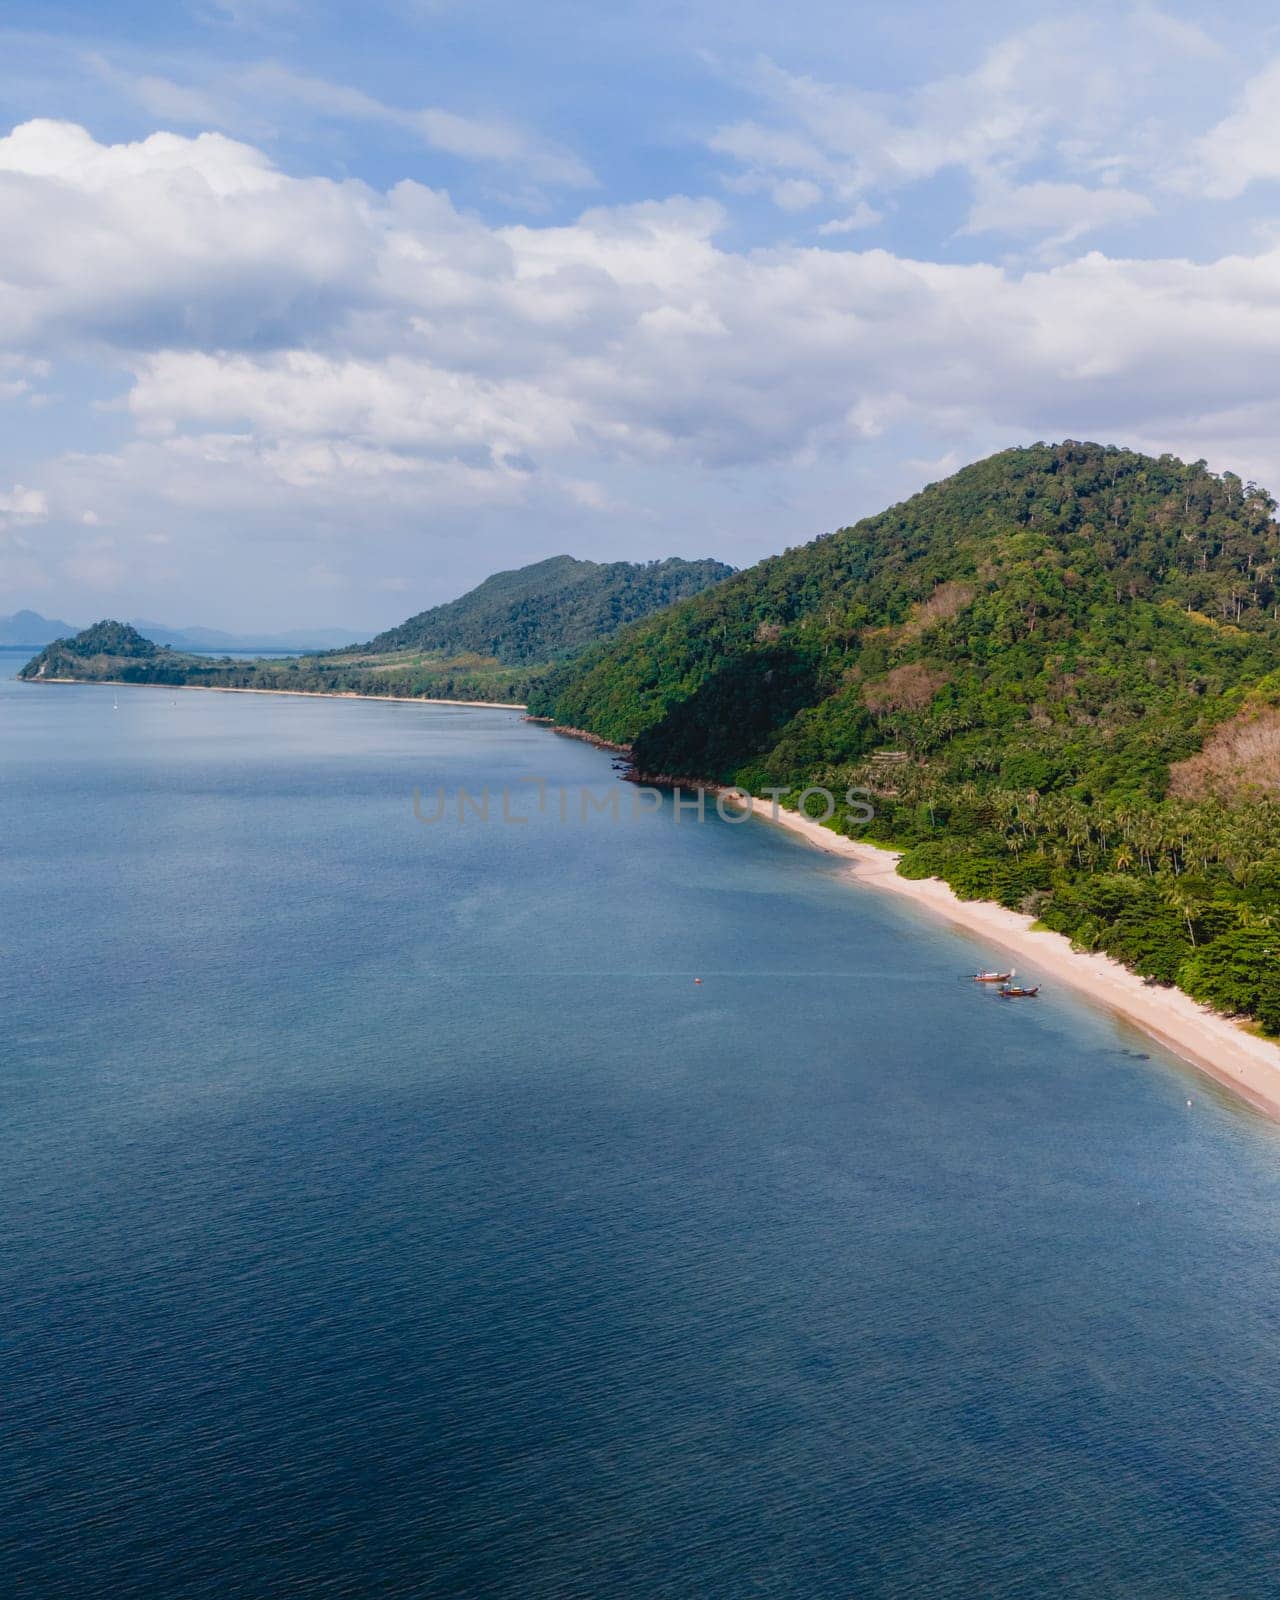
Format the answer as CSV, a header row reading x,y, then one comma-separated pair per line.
x,y
551,609
1049,637
493,644
113,652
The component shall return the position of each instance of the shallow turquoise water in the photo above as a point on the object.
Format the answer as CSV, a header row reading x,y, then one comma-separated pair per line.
x,y
386,1211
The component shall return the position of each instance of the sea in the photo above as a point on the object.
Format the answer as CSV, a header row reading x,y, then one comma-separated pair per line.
x,y
388,1211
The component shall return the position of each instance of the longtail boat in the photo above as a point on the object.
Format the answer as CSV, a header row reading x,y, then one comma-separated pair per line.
x,y
993,977
1012,991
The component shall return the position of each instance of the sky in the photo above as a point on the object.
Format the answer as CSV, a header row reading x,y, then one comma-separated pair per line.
x,y
317,313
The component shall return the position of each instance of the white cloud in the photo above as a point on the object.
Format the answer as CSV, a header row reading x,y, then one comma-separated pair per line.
x,y
22,505
312,357
160,97
397,402
236,102
1065,211
19,376
177,241
1245,146
862,216
1084,99
795,194
67,152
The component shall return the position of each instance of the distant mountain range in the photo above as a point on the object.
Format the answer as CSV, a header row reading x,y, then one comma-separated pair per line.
x,y
30,628
195,638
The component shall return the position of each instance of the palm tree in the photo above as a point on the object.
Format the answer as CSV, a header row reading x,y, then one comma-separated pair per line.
x,y
1177,897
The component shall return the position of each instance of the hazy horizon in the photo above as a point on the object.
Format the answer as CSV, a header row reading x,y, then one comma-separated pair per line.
x,y
57,614
280,627
315,319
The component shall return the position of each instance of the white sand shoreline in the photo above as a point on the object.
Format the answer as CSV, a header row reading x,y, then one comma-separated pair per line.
x,y
1217,1046
1214,1044
300,694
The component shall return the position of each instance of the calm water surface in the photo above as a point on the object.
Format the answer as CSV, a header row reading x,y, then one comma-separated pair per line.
x,y
386,1212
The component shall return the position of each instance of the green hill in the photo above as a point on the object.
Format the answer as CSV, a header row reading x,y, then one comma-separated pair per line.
x,y
551,609
493,644
94,652
1048,638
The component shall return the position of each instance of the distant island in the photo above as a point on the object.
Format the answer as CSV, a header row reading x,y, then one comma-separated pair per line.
x,y
1057,672
30,629
493,644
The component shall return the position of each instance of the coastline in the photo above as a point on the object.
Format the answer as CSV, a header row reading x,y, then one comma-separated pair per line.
x,y
301,694
1214,1044
581,734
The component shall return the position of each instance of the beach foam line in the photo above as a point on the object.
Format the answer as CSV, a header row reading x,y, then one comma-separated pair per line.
x,y
1215,1045
301,694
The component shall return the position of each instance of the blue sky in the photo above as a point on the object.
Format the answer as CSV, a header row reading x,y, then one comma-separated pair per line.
x,y
315,313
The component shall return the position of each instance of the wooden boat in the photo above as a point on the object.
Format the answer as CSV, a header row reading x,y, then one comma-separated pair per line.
x,y
993,977
1013,991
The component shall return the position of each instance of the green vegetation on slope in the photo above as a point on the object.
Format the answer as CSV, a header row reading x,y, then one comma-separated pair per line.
x,y
549,610
413,674
108,639
492,644
1043,636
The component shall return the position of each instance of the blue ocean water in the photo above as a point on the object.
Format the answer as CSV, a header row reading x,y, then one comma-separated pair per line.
x,y
387,1212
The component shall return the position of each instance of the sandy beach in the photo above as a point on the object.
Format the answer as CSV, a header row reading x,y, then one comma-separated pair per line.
x,y
1216,1045
300,694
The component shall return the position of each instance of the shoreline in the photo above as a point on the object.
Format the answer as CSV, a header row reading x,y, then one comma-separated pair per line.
x,y
300,694
1212,1043
593,739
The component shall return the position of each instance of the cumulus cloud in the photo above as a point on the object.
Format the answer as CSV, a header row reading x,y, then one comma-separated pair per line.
x,y
386,327
309,355
177,241
400,402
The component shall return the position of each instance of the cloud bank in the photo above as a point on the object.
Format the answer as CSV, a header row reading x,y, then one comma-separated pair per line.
x,y
305,356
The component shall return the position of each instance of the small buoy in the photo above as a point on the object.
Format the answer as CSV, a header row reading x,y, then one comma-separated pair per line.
x,y
699,980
